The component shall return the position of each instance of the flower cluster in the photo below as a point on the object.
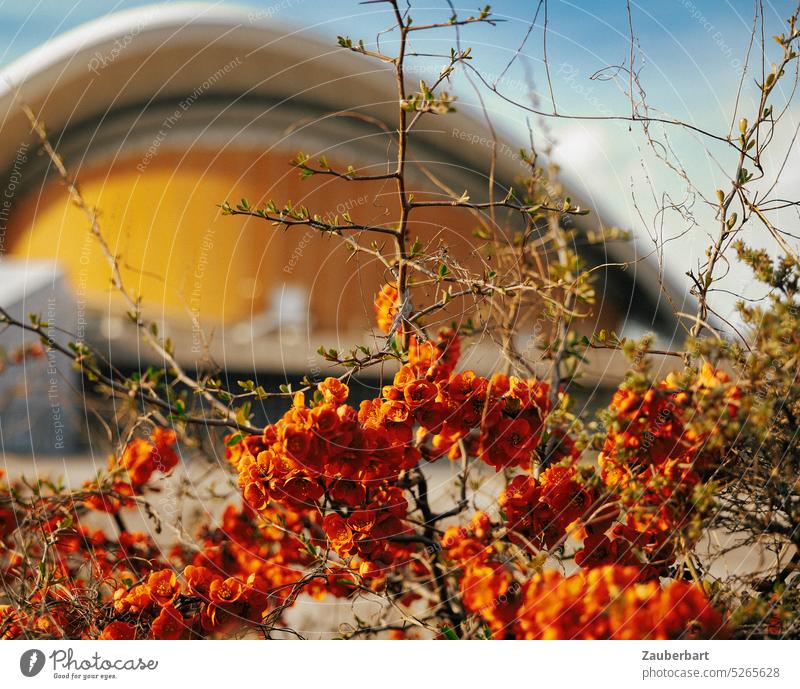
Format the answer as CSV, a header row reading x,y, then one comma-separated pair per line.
x,y
164,607
487,583
328,453
443,353
498,419
365,536
604,601
655,454
140,460
539,512
611,603
653,424
348,465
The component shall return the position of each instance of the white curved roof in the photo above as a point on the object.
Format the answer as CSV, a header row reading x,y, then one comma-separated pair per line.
x,y
135,60
115,81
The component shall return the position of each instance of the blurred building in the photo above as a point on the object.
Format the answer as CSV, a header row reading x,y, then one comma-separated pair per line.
x,y
40,391
162,114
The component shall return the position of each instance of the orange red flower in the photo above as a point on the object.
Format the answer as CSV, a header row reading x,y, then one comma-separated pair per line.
x,y
168,624
163,586
141,458
386,303
118,631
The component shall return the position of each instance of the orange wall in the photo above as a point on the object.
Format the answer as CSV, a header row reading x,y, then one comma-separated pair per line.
x,y
185,259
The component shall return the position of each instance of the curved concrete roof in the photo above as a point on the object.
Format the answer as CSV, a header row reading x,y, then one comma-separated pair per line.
x,y
115,83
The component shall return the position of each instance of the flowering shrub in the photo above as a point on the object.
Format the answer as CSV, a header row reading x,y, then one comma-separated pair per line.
x,y
326,511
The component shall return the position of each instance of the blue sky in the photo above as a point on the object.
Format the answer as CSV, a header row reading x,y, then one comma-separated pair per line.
x,y
677,37
690,53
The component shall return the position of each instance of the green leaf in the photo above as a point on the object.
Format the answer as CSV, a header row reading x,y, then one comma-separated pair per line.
x,y
744,175
449,633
